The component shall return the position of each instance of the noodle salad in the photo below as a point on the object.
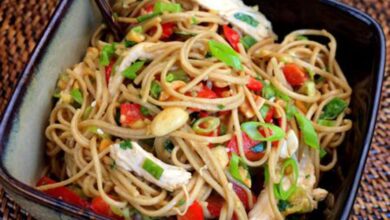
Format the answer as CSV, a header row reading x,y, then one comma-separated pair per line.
x,y
198,113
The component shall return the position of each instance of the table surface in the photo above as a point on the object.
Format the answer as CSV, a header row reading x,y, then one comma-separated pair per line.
x,y
22,23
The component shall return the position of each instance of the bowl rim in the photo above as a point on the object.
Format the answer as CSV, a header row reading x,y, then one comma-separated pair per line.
x,y
32,194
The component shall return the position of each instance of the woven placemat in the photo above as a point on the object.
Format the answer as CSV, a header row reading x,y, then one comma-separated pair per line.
x,y
22,23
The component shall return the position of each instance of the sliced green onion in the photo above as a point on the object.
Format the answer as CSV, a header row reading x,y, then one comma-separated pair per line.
x,y
152,168
323,153
155,90
194,20
107,52
137,29
247,19
77,96
161,7
234,167
311,73
98,131
309,134
264,110
283,205
146,17
268,92
221,107
302,37
285,194
290,110
131,71
145,111
87,112
309,88
206,125
252,130
129,43
328,123
168,145
333,109
248,41
225,53
177,75
124,145
281,95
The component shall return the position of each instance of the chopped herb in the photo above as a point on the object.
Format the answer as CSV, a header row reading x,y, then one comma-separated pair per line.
x,y
225,53
152,168
137,29
302,37
145,111
161,7
328,123
113,165
307,176
77,96
333,109
223,129
248,41
268,92
194,20
131,71
310,136
124,145
87,112
280,94
129,43
264,110
283,205
221,107
311,73
290,110
155,90
247,19
168,145
107,52
258,148
146,17
178,75
181,202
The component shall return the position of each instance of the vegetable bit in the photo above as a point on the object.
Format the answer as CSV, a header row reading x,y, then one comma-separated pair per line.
x,y
225,54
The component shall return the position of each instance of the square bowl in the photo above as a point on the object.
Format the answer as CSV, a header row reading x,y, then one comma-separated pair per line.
x,y
361,54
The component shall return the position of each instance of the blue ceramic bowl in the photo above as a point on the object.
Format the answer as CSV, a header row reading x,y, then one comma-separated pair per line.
x,y
361,54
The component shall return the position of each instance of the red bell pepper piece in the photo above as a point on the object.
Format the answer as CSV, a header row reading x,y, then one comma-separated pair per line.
x,y
194,212
109,70
167,30
62,193
232,36
254,85
130,113
149,8
101,207
294,74
243,196
270,115
248,143
214,204
207,93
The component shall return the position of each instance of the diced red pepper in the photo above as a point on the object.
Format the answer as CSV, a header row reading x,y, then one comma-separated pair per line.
x,y
109,70
294,74
270,115
214,204
130,113
194,212
248,143
101,207
167,30
62,193
243,196
254,85
207,93
232,36
149,8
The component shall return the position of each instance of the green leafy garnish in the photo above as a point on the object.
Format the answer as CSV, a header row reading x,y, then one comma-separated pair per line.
x,y
290,110
283,205
247,19
268,92
225,53
77,96
234,167
129,43
161,7
124,145
107,52
248,41
155,90
145,111
328,123
264,110
152,168
252,130
194,20
333,109
285,194
309,134
323,153
221,107
131,71
302,37
168,145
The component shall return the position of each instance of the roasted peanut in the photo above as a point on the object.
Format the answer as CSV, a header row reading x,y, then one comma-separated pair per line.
x,y
170,119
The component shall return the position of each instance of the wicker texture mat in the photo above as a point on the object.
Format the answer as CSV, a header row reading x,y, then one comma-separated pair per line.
x,y
22,23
